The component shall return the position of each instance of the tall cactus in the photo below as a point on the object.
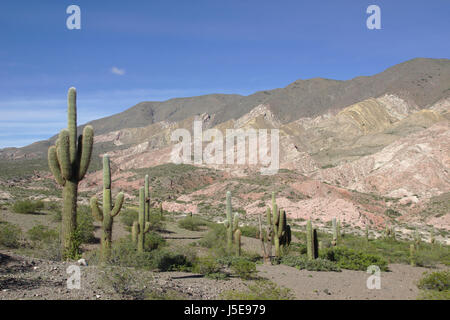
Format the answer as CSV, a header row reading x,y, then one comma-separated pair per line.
x,y
107,214
147,198
68,161
232,222
237,240
140,227
281,231
367,233
334,242
432,239
312,246
412,255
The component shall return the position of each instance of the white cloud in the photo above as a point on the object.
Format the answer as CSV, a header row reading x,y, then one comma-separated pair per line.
x,y
118,71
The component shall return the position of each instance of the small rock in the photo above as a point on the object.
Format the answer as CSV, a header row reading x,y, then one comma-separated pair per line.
x,y
82,262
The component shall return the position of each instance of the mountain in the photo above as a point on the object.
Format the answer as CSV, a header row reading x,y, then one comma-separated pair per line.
x,y
356,149
421,82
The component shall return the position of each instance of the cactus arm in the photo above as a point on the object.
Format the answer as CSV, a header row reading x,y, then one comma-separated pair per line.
x,y
237,239
85,151
117,204
269,216
147,198
147,227
236,221
281,224
135,232
96,211
72,123
63,154
54,165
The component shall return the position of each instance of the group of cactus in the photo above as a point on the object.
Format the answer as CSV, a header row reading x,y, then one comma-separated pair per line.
x,y
278,231
142,225
232,226
68,161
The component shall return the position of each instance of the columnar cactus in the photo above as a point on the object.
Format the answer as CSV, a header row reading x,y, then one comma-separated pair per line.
x,y
140,227
161,211
232,223
281,232
338,231
311,242
68,161
432,239
147,199
107,214
237,240
334,242
412,253
417,238
367,233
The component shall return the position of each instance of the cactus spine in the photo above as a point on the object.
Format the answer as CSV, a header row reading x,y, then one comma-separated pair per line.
x,y
312,246
68,161
140,227
107,214
232,223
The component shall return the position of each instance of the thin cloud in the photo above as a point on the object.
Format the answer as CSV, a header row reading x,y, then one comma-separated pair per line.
x,y
118,71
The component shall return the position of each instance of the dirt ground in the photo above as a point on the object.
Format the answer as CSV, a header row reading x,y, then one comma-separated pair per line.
x,y
30,278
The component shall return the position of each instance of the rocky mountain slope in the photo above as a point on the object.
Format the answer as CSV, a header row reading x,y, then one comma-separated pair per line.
x,y
353,149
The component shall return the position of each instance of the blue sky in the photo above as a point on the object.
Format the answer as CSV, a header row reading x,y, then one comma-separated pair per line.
x,y
132,51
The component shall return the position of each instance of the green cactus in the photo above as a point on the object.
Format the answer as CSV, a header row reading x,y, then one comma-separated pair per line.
x,y
334,242
338,232
432,239
367,233
281,232
237,240
147,198
412,253
107,214
232,223
312,246
68,161
417,238
140,227
161,211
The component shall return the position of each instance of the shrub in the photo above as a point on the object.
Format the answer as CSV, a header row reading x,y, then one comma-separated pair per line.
x,y
85,225
191,223
351,259
153,241
302,262
438,281
208,266
165,260
46,243
260,290
42,233
215,237
27,206
10,235
244,268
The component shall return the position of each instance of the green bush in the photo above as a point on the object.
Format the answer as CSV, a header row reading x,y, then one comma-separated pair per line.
x,y
27,206
438,281
243,268
10,235
435,286
351,259
42,233
153,241
215,237
260,290
85,225
302,262
165,260
45,242
207,266
191,223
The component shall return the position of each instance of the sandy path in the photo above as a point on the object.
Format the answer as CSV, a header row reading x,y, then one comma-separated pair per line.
x,y
399,283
